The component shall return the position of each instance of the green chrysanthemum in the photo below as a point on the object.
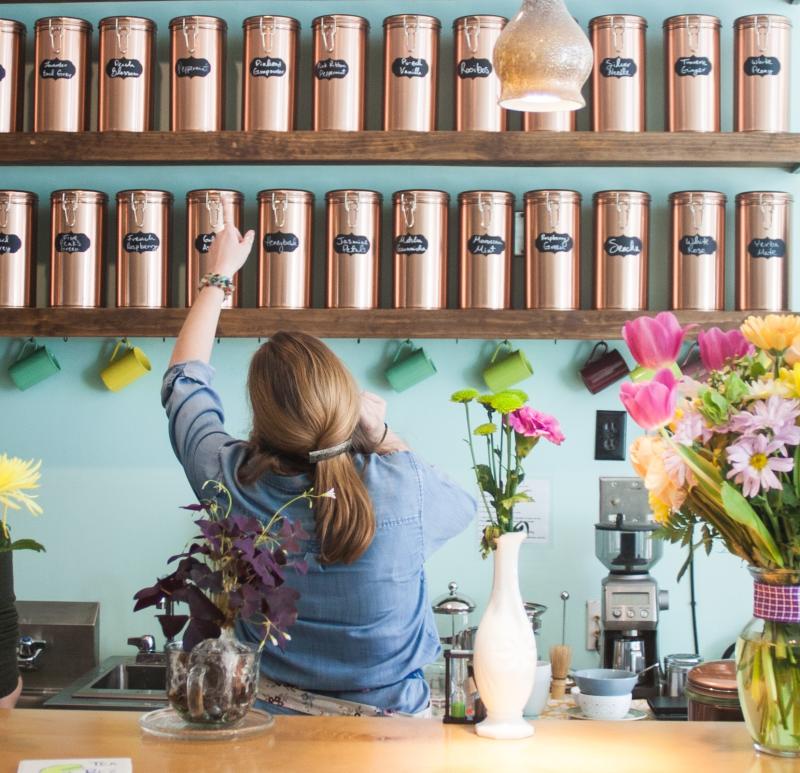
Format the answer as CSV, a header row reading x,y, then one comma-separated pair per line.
x,y
517,393
485,429
485,399
464,396
506,402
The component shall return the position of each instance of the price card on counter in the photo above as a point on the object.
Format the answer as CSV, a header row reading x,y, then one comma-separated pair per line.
x,y
535,514
99,765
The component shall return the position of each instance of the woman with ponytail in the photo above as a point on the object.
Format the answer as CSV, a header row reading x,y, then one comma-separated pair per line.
x,y
365,628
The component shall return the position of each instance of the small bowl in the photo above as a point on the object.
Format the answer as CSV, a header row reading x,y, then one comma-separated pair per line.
x,y
605,681
608,707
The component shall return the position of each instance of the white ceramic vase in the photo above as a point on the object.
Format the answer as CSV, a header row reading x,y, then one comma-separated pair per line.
x,y
505,649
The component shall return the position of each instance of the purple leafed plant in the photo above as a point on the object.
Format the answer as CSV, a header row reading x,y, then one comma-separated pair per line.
x,y
234,569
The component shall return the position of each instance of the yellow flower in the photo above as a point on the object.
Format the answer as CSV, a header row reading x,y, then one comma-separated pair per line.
x,y
774,333
464,396
661,511
506,402
791,379
17,477
485,429
647,458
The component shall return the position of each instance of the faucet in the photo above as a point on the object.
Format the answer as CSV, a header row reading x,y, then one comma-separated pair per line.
x,y
29,651
146,649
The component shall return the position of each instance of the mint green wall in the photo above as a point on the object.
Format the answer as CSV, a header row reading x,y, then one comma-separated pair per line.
x,y
111,487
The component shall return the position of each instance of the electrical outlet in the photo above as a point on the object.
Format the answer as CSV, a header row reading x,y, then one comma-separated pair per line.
x,y
609,436
593,626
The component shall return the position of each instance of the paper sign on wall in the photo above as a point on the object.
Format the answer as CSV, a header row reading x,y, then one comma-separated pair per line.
x,y
536,514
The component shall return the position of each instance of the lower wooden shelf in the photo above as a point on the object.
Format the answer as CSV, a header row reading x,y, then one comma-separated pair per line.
x,y
342,323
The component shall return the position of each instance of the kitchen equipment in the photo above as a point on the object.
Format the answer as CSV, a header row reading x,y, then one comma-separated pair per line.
x,y
454,607
205,211
763,250
676,671
712,692
534,612
410,72
33,364
621,249
698,250
353,248
419,248
144,219
339,80
125,366
631,600
561,655
541,690
619,73
510,369
409,369
485,248
477,88
17,247
285,225
12,85
604,707
762,73
605,681
126,74
197,73
603,368
552,249
61,75
77,227
269,72
692,67
554,121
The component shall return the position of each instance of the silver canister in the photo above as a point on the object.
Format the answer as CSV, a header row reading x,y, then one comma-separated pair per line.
x,y
12,75
353,248
419,249
621,249
763,250
144,219
285,226
697,255
17,248
552,249
77,228
485,248
762,73
676,671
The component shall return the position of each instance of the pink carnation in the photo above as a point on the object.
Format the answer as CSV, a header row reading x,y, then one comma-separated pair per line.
x,y
532,423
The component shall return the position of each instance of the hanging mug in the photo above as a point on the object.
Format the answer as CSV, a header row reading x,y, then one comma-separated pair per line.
x,y
414,367
603,367
124,370
504,373
33,364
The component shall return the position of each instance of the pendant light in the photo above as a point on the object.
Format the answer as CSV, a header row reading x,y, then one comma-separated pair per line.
x,y
542,59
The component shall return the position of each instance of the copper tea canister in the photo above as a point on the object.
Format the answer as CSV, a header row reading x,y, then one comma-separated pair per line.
x,y
12,75
269,70
126,73
410,72
339,72
556,121
419,249
477,87
353,248
285,226
763,224
762,73
552,249
205,216
144,220
692,69
621,249
77,229
619,73
485,249
697,250
17,247
61,74
197,73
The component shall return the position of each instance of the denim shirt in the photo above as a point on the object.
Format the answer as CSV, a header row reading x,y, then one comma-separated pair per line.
x,y
364,630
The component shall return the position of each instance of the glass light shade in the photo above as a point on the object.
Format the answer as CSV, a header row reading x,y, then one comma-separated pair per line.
x,y
542,59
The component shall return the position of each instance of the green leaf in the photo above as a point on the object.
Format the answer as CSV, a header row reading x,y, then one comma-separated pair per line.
x,y
735,388
483,473
509,502
524,445
740,510
24,544
713,406
708,476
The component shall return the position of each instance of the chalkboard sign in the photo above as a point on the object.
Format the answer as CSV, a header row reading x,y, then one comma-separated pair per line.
x,y
618,68
692,66
474,68
57,69
141,241
268,67
351,244
329,69
280,242
410,244
623,245
191,67
697,245
9,243
410,67
483,244
2,72
762,65
124,68
72,242
554,242
203,242
767,248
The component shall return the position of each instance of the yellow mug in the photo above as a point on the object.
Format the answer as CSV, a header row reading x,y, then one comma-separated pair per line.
x,y
125,369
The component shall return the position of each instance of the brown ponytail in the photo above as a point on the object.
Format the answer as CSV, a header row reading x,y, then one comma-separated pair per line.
x,y
304,399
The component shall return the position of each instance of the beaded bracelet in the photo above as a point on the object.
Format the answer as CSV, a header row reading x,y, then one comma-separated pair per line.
x,y
225,283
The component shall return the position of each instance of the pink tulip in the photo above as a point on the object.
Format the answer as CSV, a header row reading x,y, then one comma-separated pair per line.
x,y
651,404
717,347
654,341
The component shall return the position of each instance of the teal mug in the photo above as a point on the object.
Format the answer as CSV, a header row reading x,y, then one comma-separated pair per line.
x,y
511,369
33,364
414,367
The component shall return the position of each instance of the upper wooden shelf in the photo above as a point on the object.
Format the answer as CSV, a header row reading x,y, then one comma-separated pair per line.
x,y
378,147
342,323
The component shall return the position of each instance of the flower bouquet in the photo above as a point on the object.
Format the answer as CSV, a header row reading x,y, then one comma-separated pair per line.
x,y
17,479
721,463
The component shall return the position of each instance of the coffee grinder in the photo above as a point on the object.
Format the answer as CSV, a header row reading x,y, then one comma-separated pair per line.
x,y
631,600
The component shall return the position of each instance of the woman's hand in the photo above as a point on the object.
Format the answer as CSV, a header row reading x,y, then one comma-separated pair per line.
x,y
229,250
373,416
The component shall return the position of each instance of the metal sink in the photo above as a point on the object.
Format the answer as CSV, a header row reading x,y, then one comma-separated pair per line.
x,y
130,678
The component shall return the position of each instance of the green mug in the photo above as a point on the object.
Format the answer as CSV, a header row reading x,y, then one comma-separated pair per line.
x,y
124,370
33,364
414,367
510,370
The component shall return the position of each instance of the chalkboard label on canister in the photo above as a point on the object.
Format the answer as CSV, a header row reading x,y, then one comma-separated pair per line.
x,y
693,66
9,243
484,244
203,242
124,68
330,69
351,244
695,244
410,67
192,67
280,242
57,69
72,242
767,248
267,67
762,65
410,244
623,245
618,67
140,241
554,242
474,68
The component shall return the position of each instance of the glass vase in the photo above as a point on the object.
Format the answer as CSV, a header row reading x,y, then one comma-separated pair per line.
x,y
768,663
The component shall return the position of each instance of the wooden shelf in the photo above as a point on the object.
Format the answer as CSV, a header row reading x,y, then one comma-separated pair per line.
x,y
377,147
341,323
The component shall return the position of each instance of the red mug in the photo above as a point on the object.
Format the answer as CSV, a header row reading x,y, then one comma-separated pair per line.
x,y
603,367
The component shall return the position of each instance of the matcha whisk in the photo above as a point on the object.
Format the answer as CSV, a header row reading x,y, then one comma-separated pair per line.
x,y
561,655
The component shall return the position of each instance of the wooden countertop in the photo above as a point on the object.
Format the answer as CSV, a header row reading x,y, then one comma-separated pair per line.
x,y
311,744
